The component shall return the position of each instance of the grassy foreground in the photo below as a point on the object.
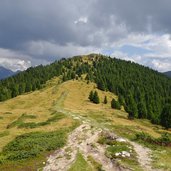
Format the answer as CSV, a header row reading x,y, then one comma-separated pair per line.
x,y
80,164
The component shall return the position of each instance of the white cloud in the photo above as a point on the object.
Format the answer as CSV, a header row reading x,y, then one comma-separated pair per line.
x,y
158,55
81,20
14,60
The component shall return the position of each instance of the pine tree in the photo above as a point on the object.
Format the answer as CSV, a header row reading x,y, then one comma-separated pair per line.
x,y
121,100
96,98
105,100
166,116
115,104
131,108
91,96
142,110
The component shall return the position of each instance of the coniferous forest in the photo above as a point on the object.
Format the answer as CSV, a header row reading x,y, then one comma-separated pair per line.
x,y
143,92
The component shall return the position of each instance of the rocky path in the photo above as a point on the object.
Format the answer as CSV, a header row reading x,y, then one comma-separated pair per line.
x,y
82,139
144,156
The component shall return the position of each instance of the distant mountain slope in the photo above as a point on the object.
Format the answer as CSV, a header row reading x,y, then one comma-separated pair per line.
x,y
4,73
168,73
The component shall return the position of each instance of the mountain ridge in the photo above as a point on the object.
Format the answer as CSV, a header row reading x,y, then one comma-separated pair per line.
x,y
168,74
4,72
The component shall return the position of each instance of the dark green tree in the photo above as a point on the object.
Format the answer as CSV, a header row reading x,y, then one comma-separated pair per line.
x,y
96,98
115,104
142,110
166,116
131,108
105,100
121,100
91,96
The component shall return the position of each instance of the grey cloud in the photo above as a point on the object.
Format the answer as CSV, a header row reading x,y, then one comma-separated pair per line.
x,y
42,30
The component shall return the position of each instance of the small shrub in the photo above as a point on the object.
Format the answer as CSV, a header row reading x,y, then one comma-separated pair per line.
x,y
97,166
8,113
26,116
115,104
13,124
27,125
112,150
56,117
20,121
30,125
105,140
3,134
32,144
164,140
2,159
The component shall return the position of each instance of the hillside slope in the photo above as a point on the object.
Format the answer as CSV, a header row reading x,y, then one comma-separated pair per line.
x,y
143,92
63,107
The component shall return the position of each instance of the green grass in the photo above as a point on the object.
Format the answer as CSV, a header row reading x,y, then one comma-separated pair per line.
x,y
164,140
20,120
112,150
1,117
4,133
161,158
80,164
29,151
31,145
125,131
114,147
96,166
21,124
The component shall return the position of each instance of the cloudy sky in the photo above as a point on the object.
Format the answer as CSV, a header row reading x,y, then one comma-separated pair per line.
x,y
36,32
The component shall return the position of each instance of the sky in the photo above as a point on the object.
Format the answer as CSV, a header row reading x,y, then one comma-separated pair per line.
x,y
34,32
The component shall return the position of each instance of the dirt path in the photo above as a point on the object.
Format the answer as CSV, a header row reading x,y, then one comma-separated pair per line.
x,y
143,155
82,139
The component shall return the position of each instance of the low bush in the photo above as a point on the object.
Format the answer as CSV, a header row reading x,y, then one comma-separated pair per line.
x,y
8,113
112,150
3,134
21,124
56,117
33,144
20,120
97,166
27,125
164,140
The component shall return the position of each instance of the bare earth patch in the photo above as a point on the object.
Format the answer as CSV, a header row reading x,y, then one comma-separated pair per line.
x,y
82,139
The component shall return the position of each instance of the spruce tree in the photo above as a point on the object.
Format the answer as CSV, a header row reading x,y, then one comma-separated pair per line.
x,y
115,104
131,108
166,116
142,110
91,96
96,98
105,100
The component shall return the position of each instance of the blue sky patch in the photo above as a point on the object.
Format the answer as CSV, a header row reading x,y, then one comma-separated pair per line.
x,y
132,50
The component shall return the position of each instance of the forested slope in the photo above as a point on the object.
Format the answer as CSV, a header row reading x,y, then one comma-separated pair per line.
x,y
142,91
